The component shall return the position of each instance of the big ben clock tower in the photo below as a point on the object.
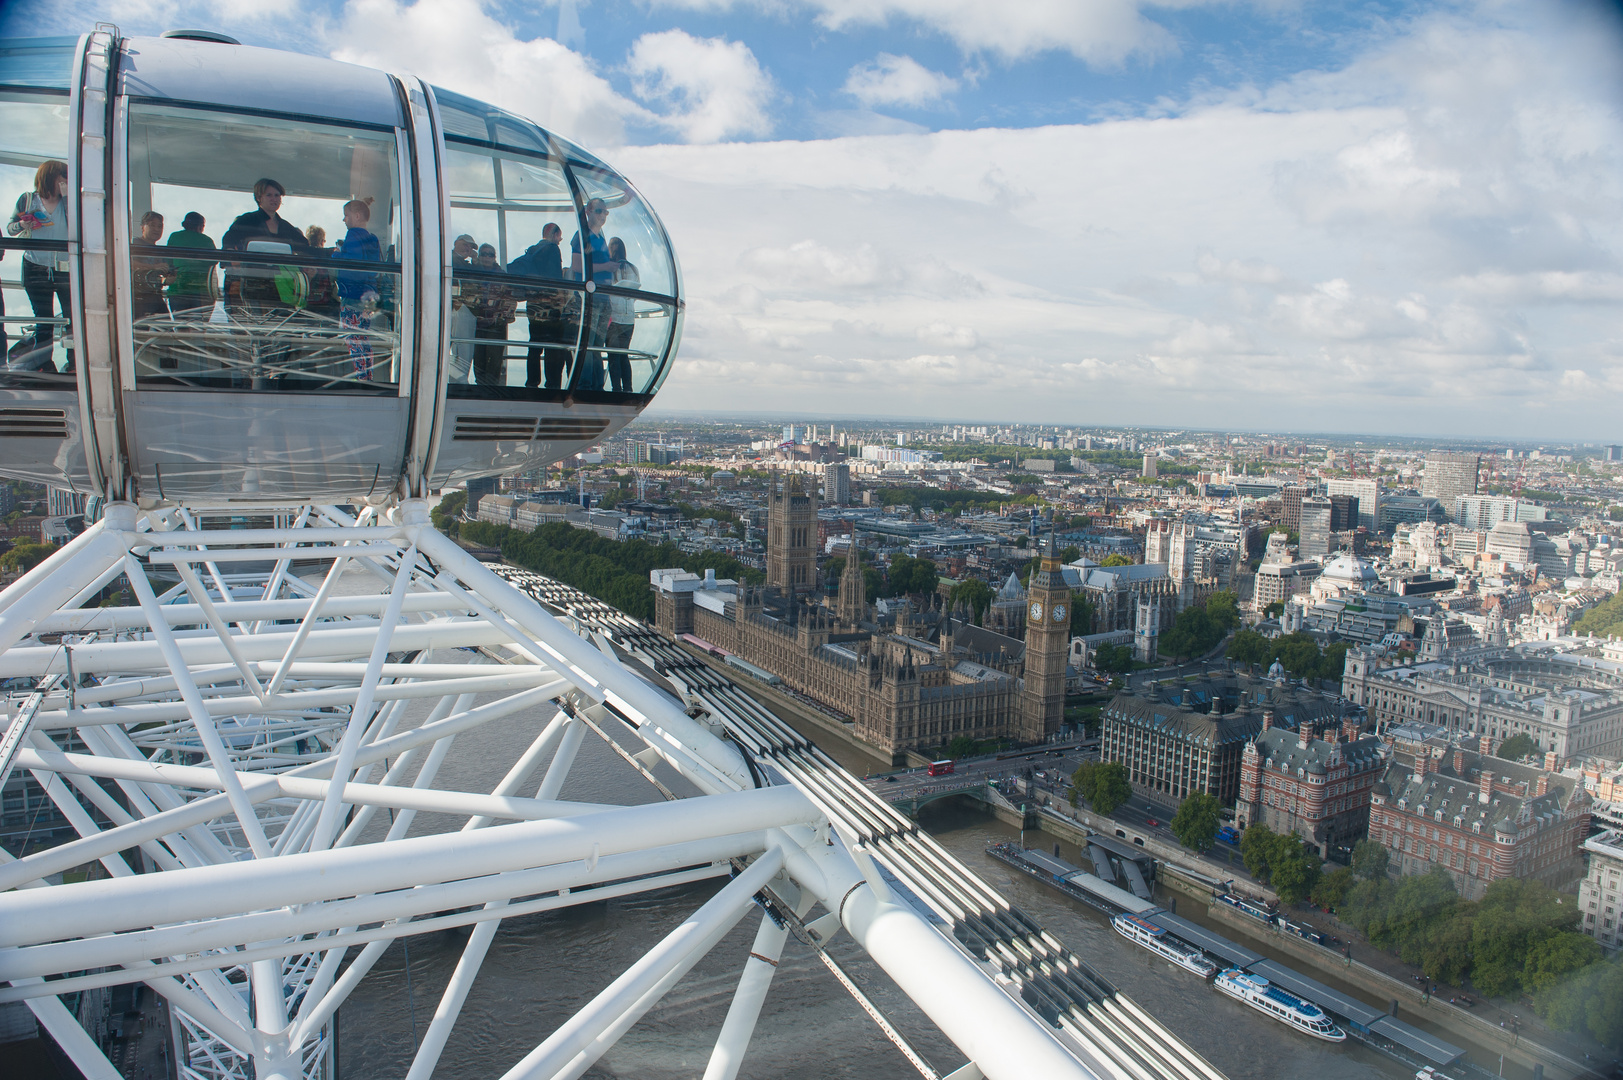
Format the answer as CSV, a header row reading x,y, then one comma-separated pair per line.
x,y
1048,641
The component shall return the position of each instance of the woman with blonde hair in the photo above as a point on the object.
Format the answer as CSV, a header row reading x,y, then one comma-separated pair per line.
x,y
42,214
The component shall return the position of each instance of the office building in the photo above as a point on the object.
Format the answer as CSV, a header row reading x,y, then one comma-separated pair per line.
x,y
1192,737
1448,476
1483,512
1149,464
1600,895
1399,509
1479,817
1368,494
1343,513
1290,501
1316,786
1612,453
1314,520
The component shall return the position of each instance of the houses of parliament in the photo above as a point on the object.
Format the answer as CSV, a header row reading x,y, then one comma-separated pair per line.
x,y
907,680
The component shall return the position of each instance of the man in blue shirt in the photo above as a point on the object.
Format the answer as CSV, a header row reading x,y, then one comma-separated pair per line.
x,y
600,271
552,334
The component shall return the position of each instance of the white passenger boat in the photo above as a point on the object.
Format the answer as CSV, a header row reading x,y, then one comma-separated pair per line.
x,y
1287,1008
1154,938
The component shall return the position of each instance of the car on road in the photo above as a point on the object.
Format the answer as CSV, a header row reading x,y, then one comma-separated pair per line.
x,y
888,779
1151,822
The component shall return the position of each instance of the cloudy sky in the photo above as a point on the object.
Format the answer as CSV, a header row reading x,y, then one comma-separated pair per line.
x,y
1322,215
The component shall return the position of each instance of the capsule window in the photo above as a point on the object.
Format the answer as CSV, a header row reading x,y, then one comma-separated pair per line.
x,y
264,253
35,334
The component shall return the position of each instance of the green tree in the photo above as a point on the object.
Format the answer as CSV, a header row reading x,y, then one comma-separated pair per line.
x,y
1117,560
1442,949
1589,1001
1117,658
1249,647
1197,821
1293,868
1369,860
1081,615
1332,888
911,577
1419,899
1103,784
975,594
447,515
1257,850
1516,747
1555,957
25,555
1365,905
1515,914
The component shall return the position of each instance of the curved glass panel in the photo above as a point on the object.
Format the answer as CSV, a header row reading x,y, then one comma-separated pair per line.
x,y
236,284
35,336
646,262
44,62
634,343
467,118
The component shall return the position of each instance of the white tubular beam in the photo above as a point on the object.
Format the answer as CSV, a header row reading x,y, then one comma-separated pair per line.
x,y
313,1014
61,557
603,678
451,1001
525,764
360,715
753,984
212,617
228,555
201,720
73,1040
201,1010
558,770
207,965
624,999
340,641
133,618
989,1026
94,907
28,606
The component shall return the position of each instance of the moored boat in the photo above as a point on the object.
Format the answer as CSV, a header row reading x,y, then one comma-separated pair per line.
x,y
1156,940
1285,1007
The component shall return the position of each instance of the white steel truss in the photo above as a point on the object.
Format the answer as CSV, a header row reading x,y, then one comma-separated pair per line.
x,y
243,726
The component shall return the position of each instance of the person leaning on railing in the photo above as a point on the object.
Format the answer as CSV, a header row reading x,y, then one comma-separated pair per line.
x,y
256,287
191,287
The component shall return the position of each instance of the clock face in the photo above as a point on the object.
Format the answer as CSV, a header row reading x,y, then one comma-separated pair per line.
x,y
1036,611
1059,612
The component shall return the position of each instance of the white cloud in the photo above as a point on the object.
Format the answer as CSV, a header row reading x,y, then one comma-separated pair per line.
x,y
715,88
897,80
458,45
1102,32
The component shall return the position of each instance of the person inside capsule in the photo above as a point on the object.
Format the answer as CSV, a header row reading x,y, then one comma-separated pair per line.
x,y
42,214
493,310
192,286
254,288
150,272
601,272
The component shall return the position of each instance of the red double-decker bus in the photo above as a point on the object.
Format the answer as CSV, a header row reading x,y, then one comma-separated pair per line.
x,y
940,768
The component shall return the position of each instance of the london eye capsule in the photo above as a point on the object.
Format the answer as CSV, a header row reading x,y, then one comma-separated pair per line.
x,y
234,274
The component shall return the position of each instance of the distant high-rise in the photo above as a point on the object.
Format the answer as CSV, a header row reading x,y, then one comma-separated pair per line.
x,y
1343,513
1368,494
1613,453
1290,501
1315,512
836,483
1448,476
1149,463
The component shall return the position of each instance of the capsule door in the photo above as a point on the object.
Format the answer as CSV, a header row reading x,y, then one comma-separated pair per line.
x,y
267,328
42,416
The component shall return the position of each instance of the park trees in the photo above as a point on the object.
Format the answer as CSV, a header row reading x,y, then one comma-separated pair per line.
x,y
1103,784
1516,747
1369,860
1197,821
974,594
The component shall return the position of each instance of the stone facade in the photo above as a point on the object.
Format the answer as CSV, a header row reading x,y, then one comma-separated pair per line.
x,y
1318,788
791,535
1480,818
1600,897
1565,705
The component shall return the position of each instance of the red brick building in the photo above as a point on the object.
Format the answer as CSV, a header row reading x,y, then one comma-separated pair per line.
x,y
1481,818
1315,786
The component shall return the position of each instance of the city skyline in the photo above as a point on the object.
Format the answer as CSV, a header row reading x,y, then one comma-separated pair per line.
x,y
1403,218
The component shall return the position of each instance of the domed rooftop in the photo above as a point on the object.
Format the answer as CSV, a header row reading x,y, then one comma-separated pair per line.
x,y
1350,570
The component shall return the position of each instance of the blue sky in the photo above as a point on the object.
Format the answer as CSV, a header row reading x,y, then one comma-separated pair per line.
x,y
1256,213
